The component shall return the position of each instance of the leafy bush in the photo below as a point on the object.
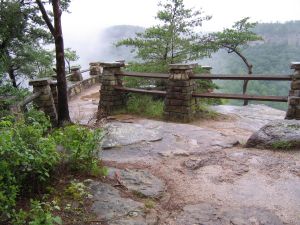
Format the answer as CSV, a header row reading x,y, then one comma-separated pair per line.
x,y
27,158
40,214
80,147
11,95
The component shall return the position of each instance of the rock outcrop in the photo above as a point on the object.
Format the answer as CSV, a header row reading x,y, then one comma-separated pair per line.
x,y
278,134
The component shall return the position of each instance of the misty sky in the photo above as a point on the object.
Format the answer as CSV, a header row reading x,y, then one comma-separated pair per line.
x,y
83,25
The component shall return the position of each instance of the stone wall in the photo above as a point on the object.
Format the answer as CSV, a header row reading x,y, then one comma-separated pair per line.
x,y
294,95
110,99
45,101
76,88
179,102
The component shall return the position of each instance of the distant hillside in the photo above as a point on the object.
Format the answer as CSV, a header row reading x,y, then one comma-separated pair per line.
x,y
281,46
110,36
280,33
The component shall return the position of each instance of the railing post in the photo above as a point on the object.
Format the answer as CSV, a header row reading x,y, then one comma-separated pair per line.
x,y
76,74
179,102
45,101
95,69
110,99
293,111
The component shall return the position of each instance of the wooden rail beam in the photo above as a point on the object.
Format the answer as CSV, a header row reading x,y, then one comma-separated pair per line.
x,y
242,77
144,75
140,91
242,97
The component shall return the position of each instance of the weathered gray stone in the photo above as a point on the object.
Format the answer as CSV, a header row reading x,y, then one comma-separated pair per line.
x,y
278,134
139,181
122,134
111,208
182,66
211,214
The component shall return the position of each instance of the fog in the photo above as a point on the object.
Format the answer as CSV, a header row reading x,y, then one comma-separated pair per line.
x,y
84,26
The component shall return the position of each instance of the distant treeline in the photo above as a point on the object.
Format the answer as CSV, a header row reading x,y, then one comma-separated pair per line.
x,y
281,46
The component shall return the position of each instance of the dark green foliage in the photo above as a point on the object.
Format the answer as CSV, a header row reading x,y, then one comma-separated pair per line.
x,y
80,147
22,34
10,95
40,213
29,156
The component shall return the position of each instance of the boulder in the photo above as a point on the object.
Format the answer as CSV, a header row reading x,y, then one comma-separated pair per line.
x,y
277,134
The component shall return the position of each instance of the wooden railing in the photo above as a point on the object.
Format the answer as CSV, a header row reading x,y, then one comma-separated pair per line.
x,y
210,77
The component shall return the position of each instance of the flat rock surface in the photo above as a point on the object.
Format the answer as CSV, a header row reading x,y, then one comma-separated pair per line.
x,y
277,134
210,178
141,182
147,139
121,134
210,214
113,209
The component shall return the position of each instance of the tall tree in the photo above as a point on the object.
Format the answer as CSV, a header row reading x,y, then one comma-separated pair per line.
x,y
172,40
56,31
235,40
22,35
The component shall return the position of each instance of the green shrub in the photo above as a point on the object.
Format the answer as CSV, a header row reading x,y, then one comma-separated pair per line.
x,y
282,145
11,95
29,155
27,158
144,105
80,147
40,214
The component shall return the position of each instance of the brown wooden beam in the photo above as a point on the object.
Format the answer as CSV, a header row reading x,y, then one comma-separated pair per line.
x,y
144,75
242,97
140,91
242,77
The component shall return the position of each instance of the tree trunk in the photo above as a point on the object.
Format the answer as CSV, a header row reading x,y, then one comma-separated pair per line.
x,y
245,85
249,67
62,108
12,76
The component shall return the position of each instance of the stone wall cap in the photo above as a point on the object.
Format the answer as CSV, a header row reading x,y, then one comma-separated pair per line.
x,y
182,66
206,67
40,82
74,68
95,63
295,65
112,64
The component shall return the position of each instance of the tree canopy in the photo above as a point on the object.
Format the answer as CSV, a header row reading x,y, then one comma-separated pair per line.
x,y
173,39
22,36
234,40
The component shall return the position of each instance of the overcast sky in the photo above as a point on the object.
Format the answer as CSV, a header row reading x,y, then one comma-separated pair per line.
x,y
83,25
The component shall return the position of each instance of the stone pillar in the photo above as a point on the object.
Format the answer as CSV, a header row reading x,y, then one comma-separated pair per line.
x,y
110,99
95,69
293,111
76,74
179,103
45,101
